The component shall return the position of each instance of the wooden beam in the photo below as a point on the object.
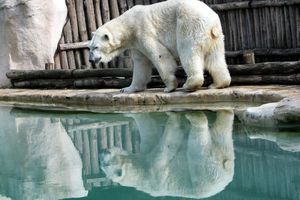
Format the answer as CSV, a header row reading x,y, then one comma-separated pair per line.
x,y
252,4
267,68
256,51
73,46
266,52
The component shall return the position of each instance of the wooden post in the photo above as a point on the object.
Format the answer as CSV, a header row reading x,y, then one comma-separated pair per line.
x,y
78,141
94,151
90,15
114,8
82,30
49,66
103,139
56,61
98,12
118,136
249,57
127,143
105,11
86,153
74,28
68,39
63,56
110,136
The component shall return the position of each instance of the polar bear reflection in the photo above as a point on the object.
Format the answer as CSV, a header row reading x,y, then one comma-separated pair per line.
x,y
189,159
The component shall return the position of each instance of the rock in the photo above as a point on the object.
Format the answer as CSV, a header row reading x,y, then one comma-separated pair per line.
x,y
29,34
38,158
286,111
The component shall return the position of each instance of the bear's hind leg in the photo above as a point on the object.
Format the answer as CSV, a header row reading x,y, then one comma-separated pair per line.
x,y
142,71
193,66
216,65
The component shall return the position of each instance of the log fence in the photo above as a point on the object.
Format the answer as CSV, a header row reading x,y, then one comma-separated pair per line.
x,y
266,27
92,137
254,73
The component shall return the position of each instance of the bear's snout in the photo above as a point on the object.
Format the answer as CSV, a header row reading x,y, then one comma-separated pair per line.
x,y
94,59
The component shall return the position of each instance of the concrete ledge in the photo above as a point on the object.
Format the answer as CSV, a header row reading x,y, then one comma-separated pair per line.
x,y
112,99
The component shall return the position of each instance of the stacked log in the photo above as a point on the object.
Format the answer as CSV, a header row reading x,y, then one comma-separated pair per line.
x,y
259,73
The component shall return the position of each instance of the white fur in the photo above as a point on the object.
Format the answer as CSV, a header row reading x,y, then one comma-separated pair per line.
x,y
159,34
186,159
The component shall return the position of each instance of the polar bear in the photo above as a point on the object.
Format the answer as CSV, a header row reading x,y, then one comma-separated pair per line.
x,y
161,33
190,158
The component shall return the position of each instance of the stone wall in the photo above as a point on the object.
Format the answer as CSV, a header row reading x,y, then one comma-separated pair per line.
x,y
29,34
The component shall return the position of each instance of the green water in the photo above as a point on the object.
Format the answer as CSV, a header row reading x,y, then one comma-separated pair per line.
x,y
145,156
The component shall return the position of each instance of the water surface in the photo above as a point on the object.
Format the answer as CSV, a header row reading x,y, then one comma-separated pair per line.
x,y
158,155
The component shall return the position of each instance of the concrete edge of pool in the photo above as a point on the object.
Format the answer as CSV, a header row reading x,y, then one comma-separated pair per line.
x,y
287,99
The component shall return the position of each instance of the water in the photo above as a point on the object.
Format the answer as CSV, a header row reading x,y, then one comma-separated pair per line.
x,y
145,156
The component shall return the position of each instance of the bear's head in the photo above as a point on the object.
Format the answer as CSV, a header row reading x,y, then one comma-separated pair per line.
x,y
105,45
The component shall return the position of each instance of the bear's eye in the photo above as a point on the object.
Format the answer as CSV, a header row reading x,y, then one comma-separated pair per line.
x,y
118,172
105,37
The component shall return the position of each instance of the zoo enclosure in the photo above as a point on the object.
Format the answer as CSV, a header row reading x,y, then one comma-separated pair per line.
x,y
270,29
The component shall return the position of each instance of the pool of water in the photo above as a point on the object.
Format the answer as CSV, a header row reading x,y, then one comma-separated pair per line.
x,y
145,156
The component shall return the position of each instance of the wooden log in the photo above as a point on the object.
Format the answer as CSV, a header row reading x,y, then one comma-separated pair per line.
x,y
63,55
39,74
74,28
45,83
266,68
136,141
103,139
110,137
49,66
297,17
122,6
75,45
130,3
86,156
252,4
94,151
126,139
257,51
118,136
139,2
248,57
94,125
266,52
112,72
293,79
258,68
69,39
82,30
90,16
78,141
57,61
114,8
98,11
147,2
101,83
105,11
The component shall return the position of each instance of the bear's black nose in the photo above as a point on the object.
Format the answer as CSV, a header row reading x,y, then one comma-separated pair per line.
x,y
92,61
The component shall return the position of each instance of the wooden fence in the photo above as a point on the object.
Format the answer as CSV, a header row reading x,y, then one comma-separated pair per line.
x,y
271,29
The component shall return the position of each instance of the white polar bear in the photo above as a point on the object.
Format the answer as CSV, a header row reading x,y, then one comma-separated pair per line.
x,y
188,158
159,34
